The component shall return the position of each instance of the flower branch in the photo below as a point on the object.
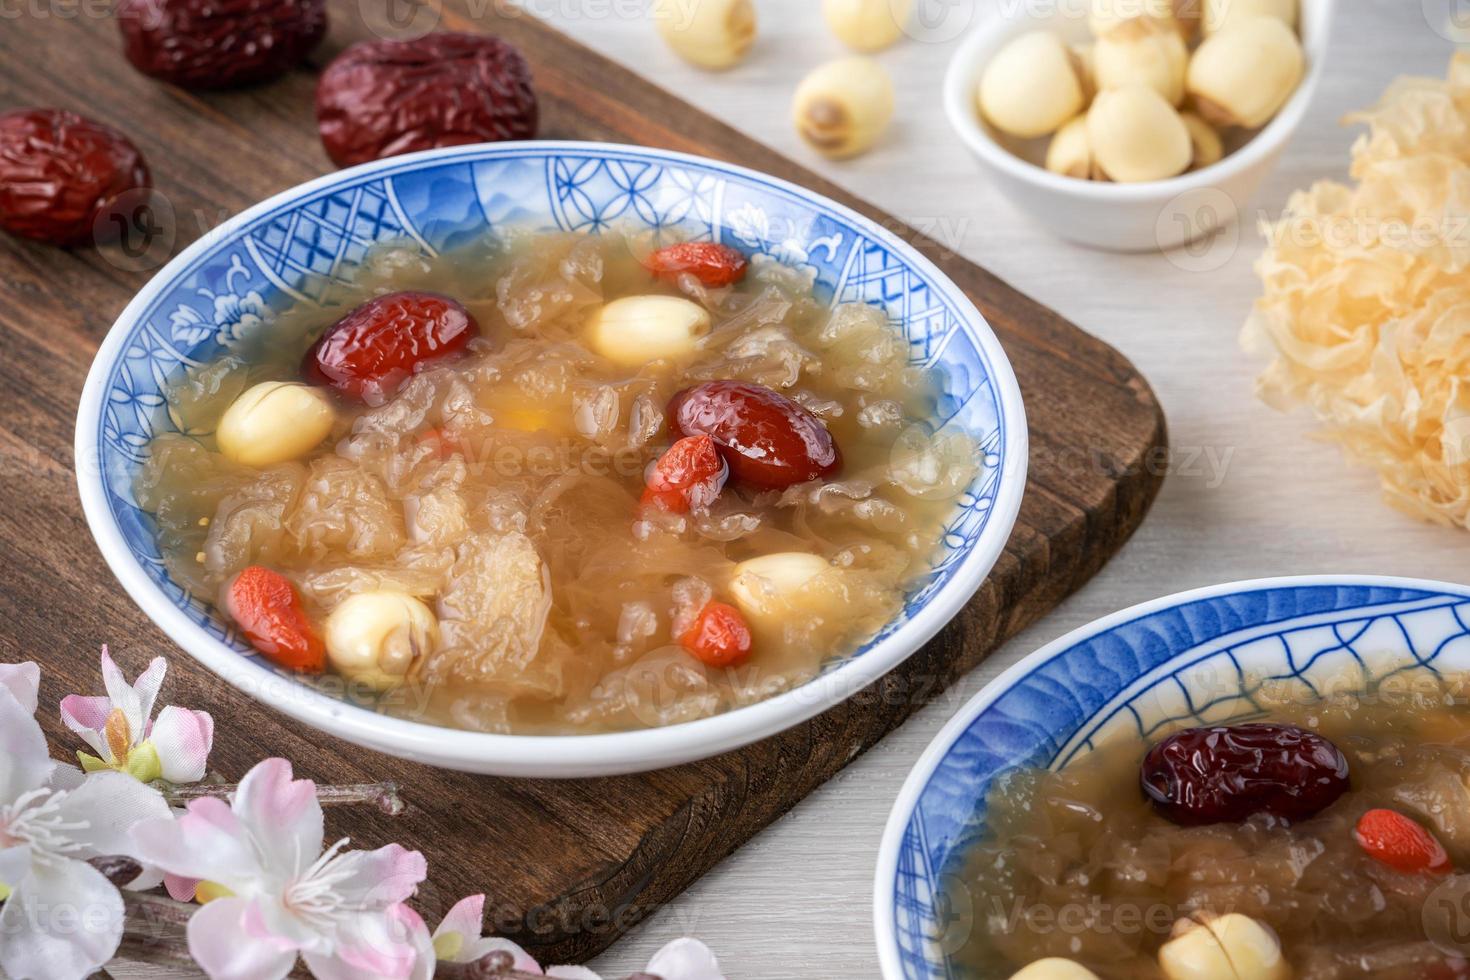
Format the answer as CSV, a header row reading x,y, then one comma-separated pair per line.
x,y
253,893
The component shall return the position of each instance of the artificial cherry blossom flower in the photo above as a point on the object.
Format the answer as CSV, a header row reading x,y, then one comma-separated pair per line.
x,y
23,681
62,919
282,896
685,959
459,940
121,729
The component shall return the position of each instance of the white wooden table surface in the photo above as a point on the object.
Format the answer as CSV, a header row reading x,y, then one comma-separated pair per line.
x,y
1260,499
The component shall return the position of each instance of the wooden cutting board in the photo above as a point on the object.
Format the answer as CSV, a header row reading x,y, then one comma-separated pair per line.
x,y
568,866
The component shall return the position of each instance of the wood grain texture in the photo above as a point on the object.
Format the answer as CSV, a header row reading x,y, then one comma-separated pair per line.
x,y
568,866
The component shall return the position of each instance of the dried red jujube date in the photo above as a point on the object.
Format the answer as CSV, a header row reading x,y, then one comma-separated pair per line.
x,y
59,172
372,350
382,98
203,44
1225,773
769,440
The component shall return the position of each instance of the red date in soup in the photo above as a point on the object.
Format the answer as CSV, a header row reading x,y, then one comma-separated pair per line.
x,y
1225,774
769,440
368,353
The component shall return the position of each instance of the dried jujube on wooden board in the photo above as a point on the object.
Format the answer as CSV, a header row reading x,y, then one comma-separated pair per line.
x,y
208,44
382,98
60,172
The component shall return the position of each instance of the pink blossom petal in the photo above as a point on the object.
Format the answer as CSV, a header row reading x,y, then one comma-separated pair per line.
x,y
206,842
572,973
426,959
106,807
466,919
180,889
183,739
146,689
218,943
282,816
24,682
65,776
266,920
39,942
325,967
15,864
378,944
25,762
122,696
86,716
381,878
685,959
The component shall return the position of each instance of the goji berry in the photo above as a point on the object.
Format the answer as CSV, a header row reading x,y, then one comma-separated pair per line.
x,y
1401,843
268,611
719,636
688,476
713,264
769,440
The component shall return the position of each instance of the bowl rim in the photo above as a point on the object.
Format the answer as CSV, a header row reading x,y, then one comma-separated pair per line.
x,y
963,74
549,756
899,817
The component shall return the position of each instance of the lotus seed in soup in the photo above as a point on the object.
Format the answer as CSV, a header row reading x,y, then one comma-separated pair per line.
x,y
558,483
1323,838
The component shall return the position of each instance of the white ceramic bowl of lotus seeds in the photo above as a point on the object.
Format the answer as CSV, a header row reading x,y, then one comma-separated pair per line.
x,y
1135,209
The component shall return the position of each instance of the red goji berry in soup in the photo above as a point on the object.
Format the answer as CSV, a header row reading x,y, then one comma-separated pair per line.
x,y
1401,843
719,636
266,607
713,264
689,475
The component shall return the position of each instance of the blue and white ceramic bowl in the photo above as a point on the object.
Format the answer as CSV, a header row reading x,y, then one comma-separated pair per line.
x,y
290,249
1192,658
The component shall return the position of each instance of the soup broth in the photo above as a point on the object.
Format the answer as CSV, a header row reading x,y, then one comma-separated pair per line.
x,y
1081,865
507,490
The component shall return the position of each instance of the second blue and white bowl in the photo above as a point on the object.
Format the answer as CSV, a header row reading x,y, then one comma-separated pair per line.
x,y
1194,658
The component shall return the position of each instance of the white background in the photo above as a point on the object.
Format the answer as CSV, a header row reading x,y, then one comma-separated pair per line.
x,y
1261,499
